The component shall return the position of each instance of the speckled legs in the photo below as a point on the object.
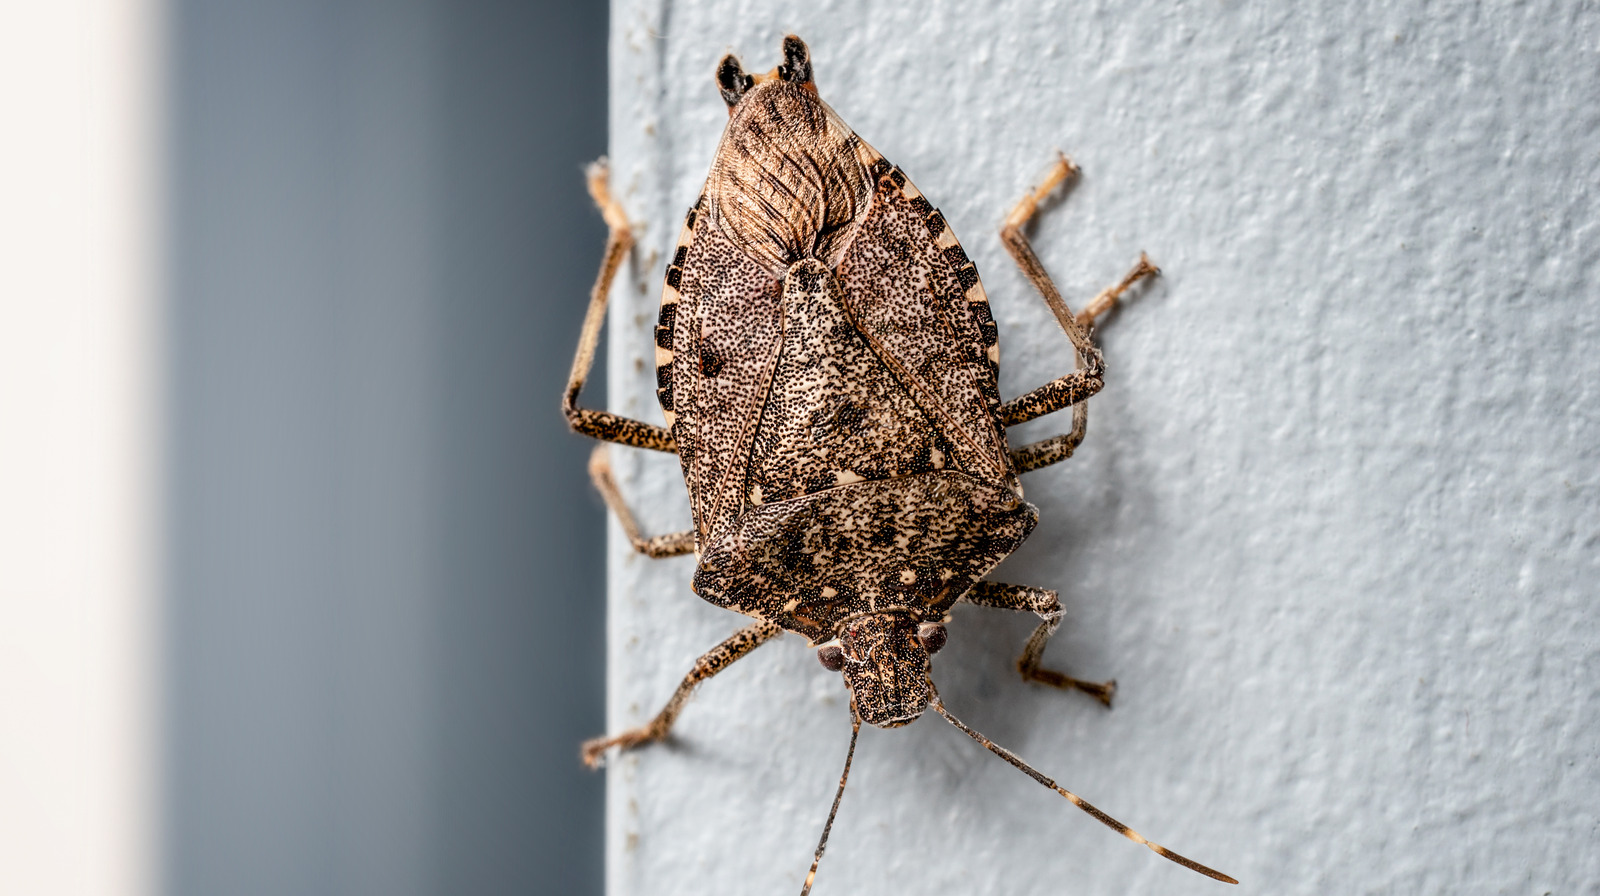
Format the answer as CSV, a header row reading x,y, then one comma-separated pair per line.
x,y
715,660
1087,379
1047,606
603,425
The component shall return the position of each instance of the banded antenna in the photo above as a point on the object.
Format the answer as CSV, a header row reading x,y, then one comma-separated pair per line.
x,y
855,731
1073,798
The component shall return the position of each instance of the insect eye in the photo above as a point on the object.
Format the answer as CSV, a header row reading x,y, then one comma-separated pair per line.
x,y
732,82
932,635
831,657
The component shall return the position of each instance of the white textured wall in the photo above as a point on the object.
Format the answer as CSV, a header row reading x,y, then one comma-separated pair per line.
x,y
1334,528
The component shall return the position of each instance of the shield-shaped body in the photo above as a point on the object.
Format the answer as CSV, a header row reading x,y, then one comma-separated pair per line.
x,y
827,362
827,365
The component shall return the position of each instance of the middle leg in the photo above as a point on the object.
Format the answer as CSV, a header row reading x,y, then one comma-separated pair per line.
x,y
672,545
1046,605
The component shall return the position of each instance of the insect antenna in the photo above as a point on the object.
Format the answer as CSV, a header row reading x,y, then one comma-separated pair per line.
x,y
855,730
1073,798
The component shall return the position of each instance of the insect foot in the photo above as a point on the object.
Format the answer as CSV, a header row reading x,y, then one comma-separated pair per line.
x,y
827,367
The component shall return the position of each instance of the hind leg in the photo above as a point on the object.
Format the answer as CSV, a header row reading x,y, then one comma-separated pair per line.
x,y
1072,389
603,425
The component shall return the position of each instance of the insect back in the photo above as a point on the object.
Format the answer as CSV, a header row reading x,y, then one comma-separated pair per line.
x,y
843,461
827,366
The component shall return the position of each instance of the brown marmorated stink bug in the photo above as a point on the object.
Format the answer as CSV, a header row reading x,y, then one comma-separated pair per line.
x,y
828,368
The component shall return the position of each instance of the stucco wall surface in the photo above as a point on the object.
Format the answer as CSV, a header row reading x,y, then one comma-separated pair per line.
x,y
1335,526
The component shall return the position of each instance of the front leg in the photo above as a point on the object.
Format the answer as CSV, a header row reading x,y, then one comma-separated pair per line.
x,y
1047,605
716,659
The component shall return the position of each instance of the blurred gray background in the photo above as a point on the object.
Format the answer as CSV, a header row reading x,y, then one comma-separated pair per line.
x,y
384,629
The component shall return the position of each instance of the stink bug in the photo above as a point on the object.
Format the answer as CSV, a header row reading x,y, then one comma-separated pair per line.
x,y
828,369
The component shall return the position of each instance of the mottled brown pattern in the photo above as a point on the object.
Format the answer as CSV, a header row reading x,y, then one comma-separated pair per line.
x,y
904,292
827,365
826,348
886,668
913,544
835,412
905,379
726,335
666,331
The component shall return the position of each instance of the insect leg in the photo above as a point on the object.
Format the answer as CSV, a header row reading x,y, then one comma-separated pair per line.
x,y
1047,606
602,425
1089,376
1074,387
673,545
1107,298
718,658
1067,390
1049,451
1087,379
